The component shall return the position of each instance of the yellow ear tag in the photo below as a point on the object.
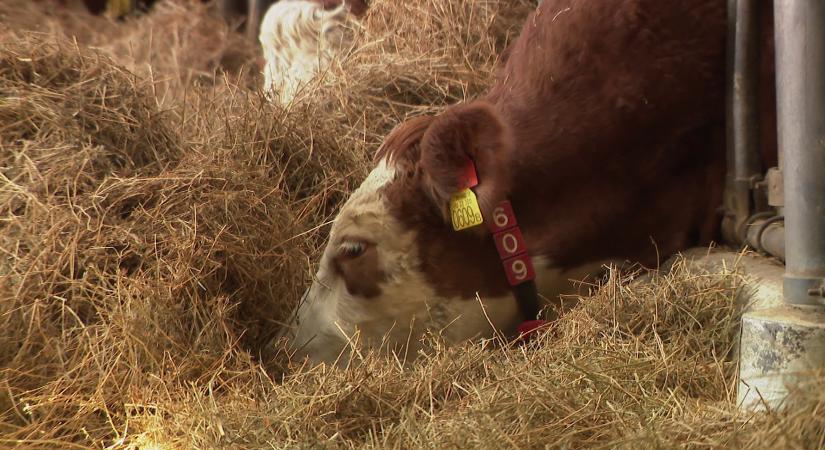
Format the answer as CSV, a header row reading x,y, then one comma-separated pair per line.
x,y
464,210
118,8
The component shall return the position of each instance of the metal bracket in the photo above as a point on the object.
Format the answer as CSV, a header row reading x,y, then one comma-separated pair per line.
x,y
818,292
773,179
802,290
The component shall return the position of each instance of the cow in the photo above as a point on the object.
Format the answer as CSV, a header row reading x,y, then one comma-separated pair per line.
x,y
299,38
600,140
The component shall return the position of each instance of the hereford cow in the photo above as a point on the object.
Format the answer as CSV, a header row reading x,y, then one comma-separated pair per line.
x,y
299,38
602,139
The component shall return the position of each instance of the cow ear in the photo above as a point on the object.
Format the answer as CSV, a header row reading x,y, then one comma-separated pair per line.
x,y
475,132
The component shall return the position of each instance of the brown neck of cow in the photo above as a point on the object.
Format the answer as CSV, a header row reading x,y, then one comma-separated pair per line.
x,y
619,142
584,207
623,157
591,203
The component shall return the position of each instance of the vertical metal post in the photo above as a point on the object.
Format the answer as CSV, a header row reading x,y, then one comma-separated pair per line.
x,y
729,219
744,163
800,84
255,12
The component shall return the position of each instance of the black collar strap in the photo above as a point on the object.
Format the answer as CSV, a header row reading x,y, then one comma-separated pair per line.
x,y
517,264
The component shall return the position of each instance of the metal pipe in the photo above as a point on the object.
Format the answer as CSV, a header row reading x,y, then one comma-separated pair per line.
x,y
746,95
255,12
744,164
800,83
729,218
767,235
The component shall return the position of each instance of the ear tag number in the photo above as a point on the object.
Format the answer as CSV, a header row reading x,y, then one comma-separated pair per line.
x,y
464,210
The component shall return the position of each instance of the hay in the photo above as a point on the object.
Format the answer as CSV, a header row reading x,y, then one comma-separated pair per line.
x,y
610,373
415,57
158,218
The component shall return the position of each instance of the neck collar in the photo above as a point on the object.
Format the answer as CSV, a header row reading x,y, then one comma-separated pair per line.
x,y
509,241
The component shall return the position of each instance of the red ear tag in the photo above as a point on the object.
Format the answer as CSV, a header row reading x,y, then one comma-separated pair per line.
x,y
469,176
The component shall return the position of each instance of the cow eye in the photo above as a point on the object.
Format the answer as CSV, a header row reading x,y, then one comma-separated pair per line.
x,y
352,249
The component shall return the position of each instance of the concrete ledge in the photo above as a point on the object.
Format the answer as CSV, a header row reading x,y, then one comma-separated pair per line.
x,y
779,344
778,347
762,276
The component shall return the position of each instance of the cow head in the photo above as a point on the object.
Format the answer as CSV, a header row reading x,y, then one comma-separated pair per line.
x,y
394,269
299,39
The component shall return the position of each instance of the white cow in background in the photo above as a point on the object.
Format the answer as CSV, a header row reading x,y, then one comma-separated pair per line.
x,y
299,38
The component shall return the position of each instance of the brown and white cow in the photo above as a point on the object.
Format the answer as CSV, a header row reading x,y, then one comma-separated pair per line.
x,y
299,38
604,130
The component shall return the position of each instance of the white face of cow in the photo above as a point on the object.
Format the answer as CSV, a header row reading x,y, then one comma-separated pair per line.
x,y
341,312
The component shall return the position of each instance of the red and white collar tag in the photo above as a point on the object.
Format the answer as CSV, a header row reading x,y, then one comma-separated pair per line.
x,y
509,241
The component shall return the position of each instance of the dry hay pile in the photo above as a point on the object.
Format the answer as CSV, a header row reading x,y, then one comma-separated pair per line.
x,y
180,41
158,219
